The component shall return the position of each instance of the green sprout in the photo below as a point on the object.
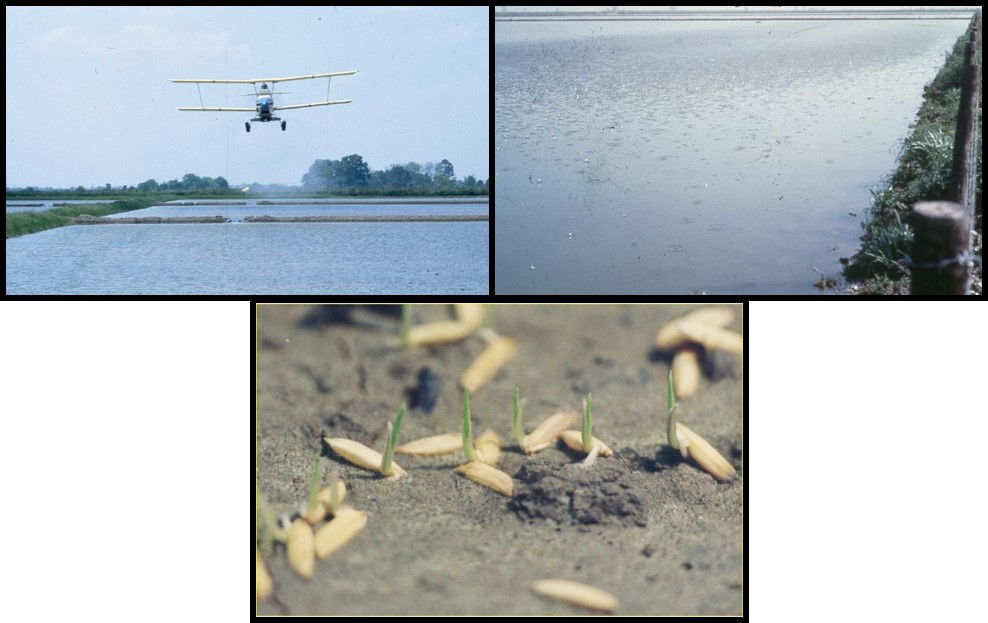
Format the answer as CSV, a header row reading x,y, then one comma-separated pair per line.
x,y
406,320
334,497
314,483
587,437
670,415
516,428
389,453
467,434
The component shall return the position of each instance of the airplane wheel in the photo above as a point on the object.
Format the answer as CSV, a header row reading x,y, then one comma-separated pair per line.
x,y
283,123
248,126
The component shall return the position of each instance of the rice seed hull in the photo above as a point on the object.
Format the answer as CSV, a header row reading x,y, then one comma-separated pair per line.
x,y
550,428
671,336
574,441
437,332
488,447
704,454
577,594
433,446
713,338
486,365
315,513
686,370
262,579
488,476
362,456
301,553
337,533
325,496
470,314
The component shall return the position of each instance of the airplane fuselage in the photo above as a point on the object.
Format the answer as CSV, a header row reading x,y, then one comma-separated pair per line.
x,y
265,105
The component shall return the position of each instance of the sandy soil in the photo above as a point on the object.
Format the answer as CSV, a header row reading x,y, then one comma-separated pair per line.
x,y
654,530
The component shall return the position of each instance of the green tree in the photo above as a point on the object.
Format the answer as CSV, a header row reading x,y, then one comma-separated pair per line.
x,y
443,175
354,170
191,181
321,175
397,177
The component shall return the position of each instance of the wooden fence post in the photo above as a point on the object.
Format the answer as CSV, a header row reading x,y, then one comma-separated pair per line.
x,y
941,243
965,163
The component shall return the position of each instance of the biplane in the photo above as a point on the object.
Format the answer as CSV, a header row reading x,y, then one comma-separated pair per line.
x,y
264,106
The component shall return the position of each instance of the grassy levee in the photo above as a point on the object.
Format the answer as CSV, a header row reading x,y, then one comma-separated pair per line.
x,y
923,174
21,223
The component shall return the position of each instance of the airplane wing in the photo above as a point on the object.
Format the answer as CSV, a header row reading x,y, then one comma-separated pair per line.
x,y
271,80
222,109
310,105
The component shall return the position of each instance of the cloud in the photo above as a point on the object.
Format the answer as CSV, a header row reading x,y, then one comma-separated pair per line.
x,y
59,37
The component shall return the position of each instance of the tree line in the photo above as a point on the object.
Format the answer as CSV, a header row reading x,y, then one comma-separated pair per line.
x,y
351,174
348,175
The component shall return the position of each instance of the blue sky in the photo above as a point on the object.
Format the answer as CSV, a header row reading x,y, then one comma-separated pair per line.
x,y
89,101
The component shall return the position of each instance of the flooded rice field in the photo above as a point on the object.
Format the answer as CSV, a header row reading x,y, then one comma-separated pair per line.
x,y
243,259
696,157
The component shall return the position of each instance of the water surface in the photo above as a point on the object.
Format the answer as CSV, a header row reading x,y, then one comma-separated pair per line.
x,y
252,259
679,157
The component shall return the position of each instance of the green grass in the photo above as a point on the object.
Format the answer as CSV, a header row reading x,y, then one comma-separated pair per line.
x,y
23,223
923,174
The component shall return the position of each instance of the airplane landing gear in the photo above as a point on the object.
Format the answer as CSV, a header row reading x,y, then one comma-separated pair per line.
x,y
283,126
247,123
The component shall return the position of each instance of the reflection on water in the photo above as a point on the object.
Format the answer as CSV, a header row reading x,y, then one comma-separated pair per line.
x,y
675,157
